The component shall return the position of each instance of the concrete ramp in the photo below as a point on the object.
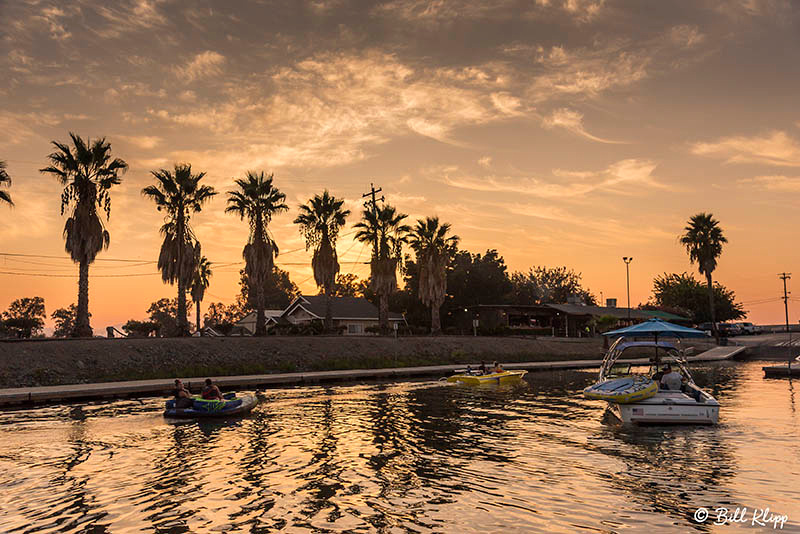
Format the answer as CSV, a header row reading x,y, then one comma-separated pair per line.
x,y
718,353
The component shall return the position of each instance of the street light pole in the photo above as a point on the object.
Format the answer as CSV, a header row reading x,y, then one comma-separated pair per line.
x,y
628,261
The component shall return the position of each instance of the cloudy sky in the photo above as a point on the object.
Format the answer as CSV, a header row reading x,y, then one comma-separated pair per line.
x,y
560,132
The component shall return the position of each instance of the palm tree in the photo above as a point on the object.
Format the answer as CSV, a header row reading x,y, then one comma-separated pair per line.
x,y
87,173
703,241
320,221
434,249
199,283
382,228
258,200
179,194
5,180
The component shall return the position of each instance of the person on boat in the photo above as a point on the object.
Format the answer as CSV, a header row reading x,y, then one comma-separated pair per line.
x,y
659,374
183,399
482,369
211,392
672,380
497,368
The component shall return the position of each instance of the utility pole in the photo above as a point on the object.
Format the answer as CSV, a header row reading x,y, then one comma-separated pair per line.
x,y
628,261
784,277
372,204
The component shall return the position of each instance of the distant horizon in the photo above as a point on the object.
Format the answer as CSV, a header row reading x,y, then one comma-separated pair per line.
x,y
558,132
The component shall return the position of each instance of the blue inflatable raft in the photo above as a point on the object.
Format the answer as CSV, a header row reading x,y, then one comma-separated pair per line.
x,y
232,405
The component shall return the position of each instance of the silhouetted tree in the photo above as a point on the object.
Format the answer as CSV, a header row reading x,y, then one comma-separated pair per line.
x,y
320,221
544,285
433,248
87,173
199,284
24,317
64,319
164,313
683,294
179,194
703,240
5,181
258,200
384,230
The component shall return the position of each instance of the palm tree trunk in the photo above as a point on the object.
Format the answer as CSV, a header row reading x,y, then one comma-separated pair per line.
x,y
436,323
82,328
328,309
183,327
199,326
383,314
261,323
714,329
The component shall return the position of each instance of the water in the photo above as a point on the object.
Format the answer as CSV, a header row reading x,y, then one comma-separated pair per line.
x,y
408,457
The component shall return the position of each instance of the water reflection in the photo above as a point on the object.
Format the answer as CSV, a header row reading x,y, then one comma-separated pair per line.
x,y
414,457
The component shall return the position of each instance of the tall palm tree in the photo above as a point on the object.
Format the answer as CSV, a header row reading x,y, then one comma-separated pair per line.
x,y
5,180
703,240
320,221
179,194
433,249
383,228
257,200
87,173
199,283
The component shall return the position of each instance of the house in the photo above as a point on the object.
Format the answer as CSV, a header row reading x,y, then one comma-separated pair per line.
x,y
353,313
248,322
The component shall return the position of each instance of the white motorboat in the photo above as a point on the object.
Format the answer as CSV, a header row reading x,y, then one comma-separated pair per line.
x,y
689,405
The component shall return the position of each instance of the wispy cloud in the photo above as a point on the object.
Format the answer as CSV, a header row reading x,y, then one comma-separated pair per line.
x,y
628,173
572,121
146,142
789,184
203,65
774,148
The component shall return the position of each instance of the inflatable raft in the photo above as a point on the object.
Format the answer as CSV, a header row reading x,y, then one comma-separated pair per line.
x,y
506,377
213,408
622,390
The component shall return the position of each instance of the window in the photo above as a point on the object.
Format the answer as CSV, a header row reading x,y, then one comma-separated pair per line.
x,y
354,329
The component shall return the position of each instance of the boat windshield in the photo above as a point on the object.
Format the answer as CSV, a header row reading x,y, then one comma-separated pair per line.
x,y
664,352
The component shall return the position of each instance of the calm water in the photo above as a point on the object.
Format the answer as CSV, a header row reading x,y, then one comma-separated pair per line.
x,y
409,457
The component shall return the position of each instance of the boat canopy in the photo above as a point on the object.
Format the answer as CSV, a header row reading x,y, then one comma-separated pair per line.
x,y
621,345
656,328
647,344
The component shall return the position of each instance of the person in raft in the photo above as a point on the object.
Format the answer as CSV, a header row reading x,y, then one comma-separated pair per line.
x,y
671,380
211,392
497,368
183,399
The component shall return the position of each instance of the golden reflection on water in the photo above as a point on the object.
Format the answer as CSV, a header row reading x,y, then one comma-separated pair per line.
x,y
411,457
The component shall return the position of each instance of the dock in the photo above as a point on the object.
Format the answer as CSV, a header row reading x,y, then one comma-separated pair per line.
x,y
156,387
782,371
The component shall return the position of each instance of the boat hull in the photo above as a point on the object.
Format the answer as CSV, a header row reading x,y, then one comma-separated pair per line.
x,y
506,377
248,403
669,408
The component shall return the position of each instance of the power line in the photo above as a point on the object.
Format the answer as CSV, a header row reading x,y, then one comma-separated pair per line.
x,y
51,275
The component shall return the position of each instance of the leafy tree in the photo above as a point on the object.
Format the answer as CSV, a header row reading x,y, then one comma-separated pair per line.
x,y
221,317
64,319
320,221
5,181
543,285
164,314
684,294
478,279
258,200
179,194
134,328
383,228
199,283
433,248
703,240
25,317
87,173
347,285
277,292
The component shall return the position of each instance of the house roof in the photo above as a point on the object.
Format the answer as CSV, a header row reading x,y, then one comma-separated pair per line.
x,y
341,307
597,311
666,316
268,314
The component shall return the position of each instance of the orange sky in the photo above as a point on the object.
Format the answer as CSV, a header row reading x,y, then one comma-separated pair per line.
x,y
561,132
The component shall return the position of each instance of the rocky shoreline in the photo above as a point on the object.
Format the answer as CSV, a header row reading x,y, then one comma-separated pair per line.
x,y
60,362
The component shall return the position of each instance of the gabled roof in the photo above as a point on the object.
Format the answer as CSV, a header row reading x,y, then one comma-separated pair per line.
x,y
341,307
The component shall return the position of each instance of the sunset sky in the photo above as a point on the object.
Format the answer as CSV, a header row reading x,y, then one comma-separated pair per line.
x,y
560,132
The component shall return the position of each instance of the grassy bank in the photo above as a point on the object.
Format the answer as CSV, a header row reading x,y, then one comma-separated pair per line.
x,y
33,363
